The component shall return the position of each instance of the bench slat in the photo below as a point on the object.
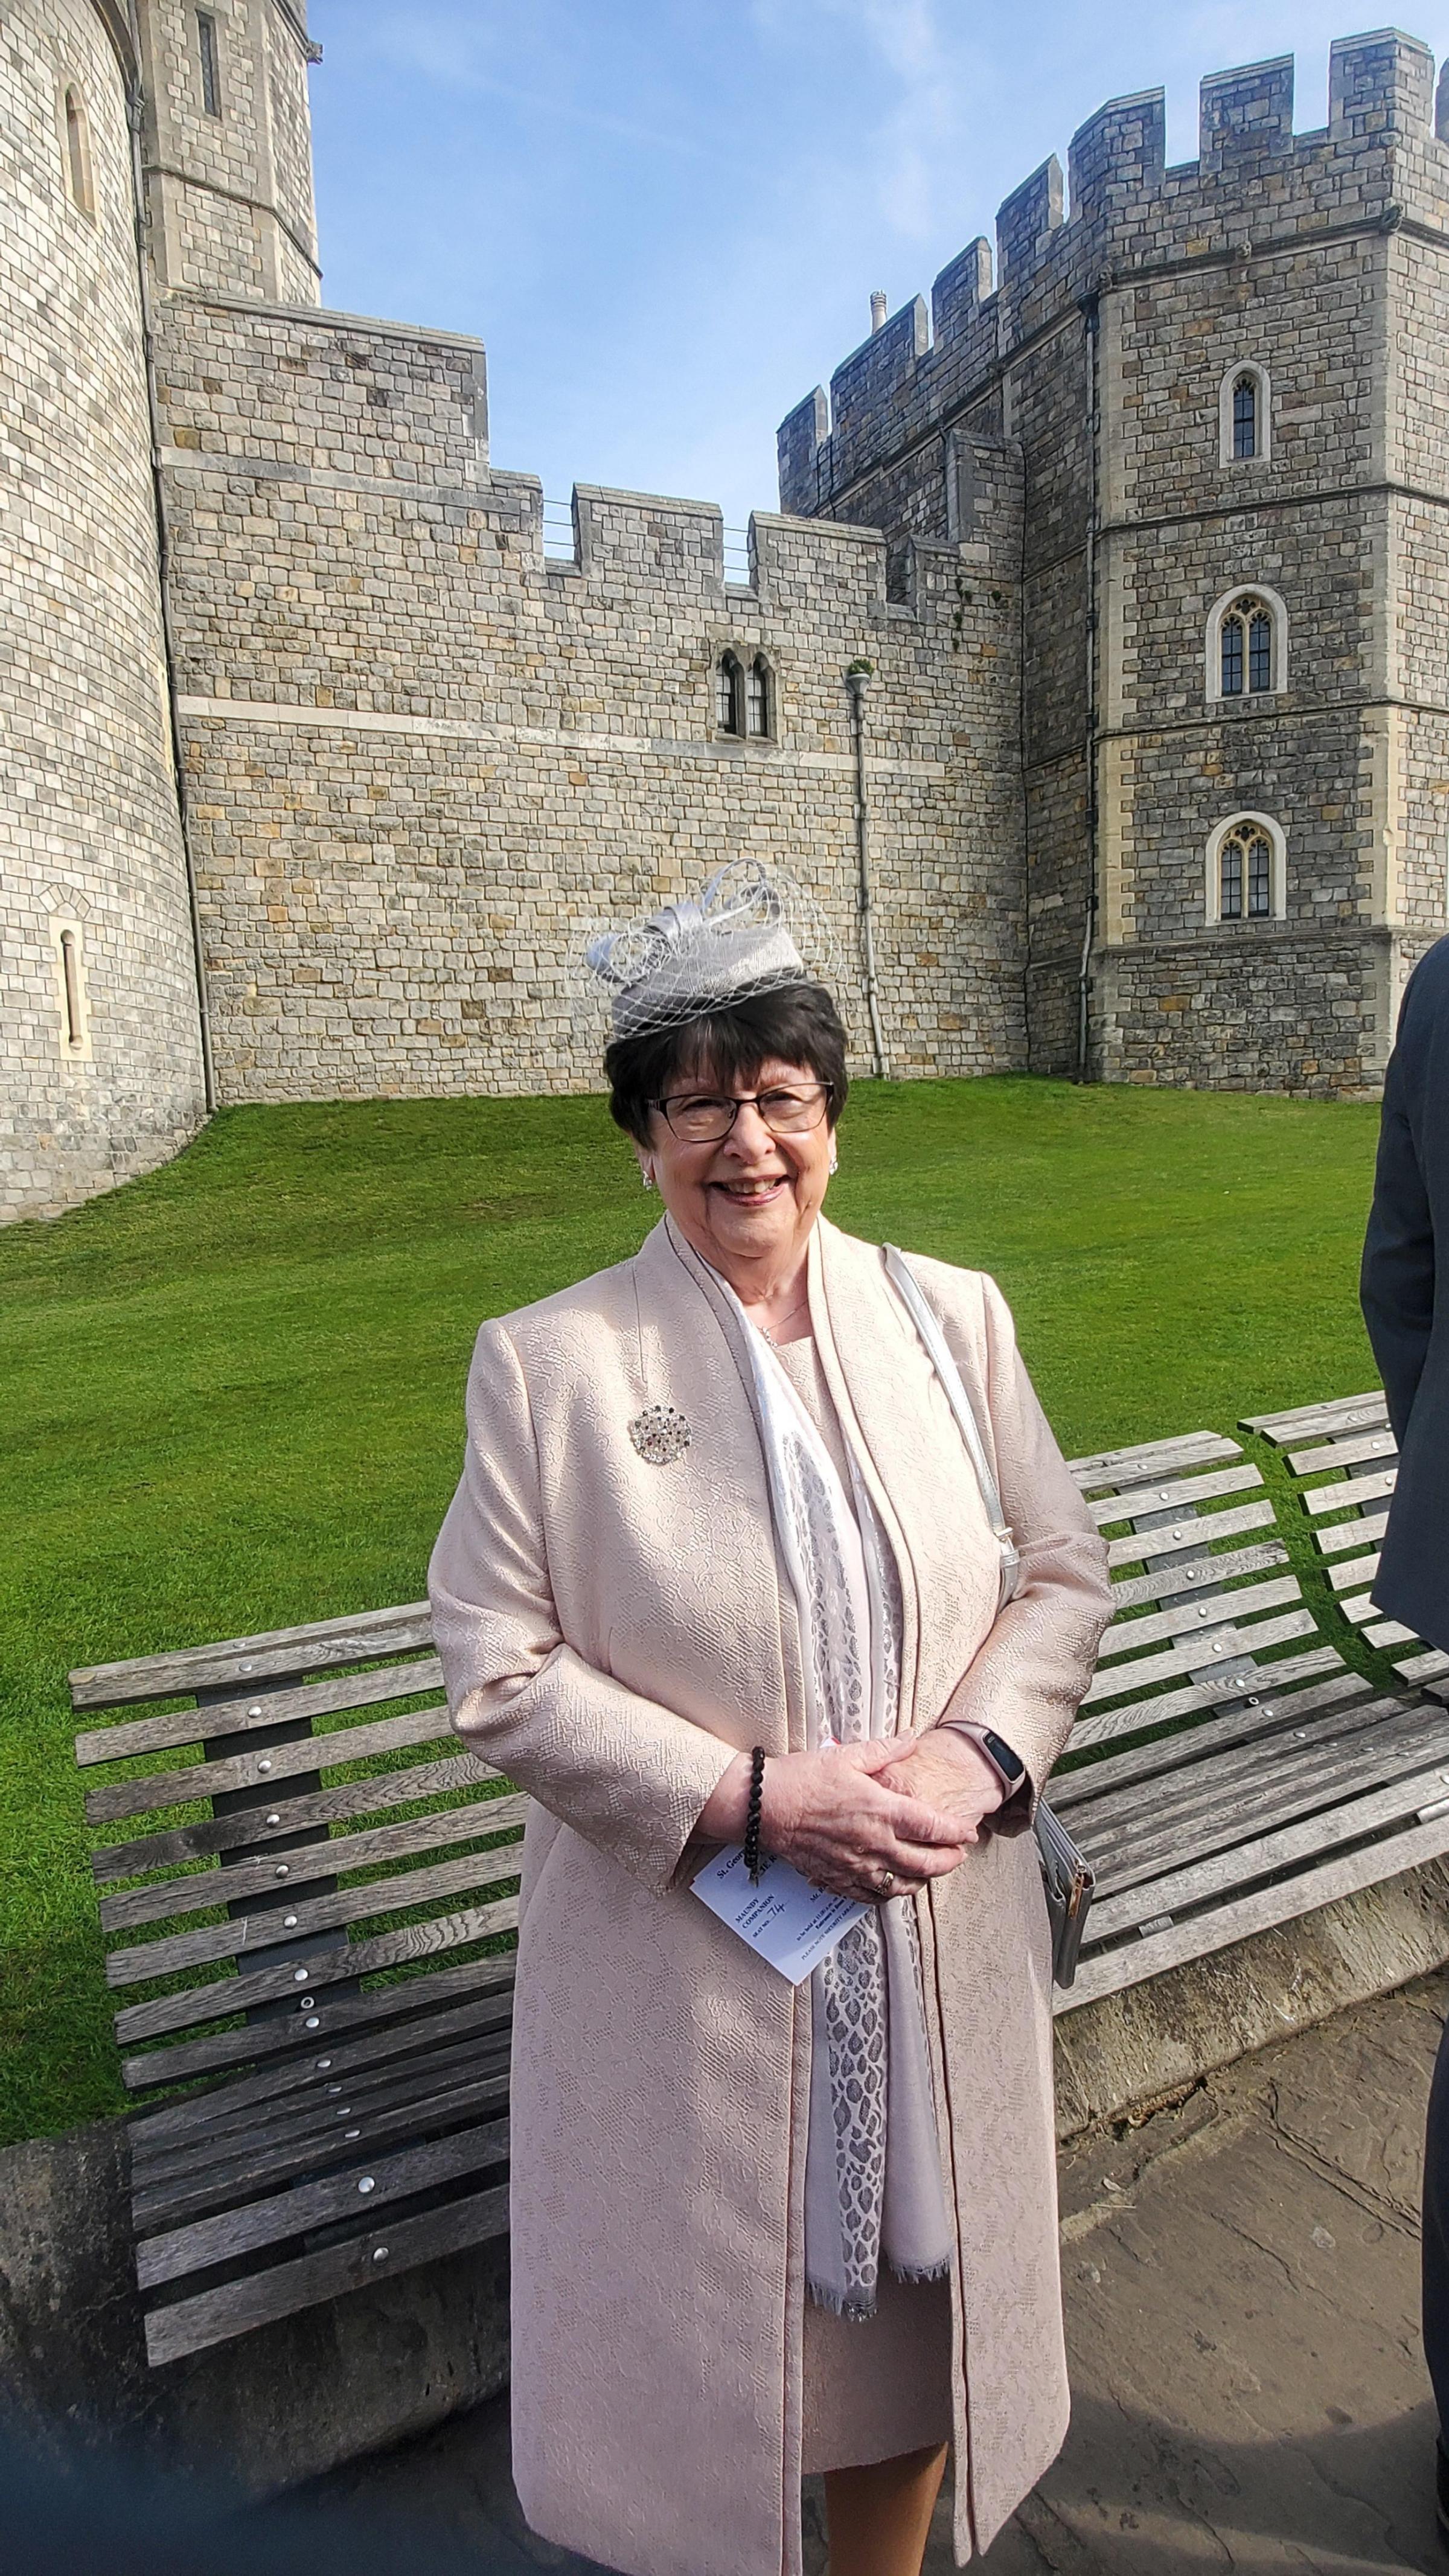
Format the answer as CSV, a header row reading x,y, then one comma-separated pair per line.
x,y
1200,1619
1173,1580
239,1716
329,1859
1254,1717
1350,1489
1223,1643
268,1769
1340,1410
214,2316
210,1942
1119,1820
244,1993
1153,1458
1237,1681
1345,1452
349,1798
239,1660
290,2039
1110,1971
1145,1546
1137,1500
289,2214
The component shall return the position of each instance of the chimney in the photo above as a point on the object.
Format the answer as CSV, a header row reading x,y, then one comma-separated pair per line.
x,y
878,311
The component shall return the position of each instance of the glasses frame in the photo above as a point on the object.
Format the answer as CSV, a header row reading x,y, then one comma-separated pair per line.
x,y
743,1100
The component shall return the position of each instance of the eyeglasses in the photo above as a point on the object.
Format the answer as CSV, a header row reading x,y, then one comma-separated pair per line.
x,y
702,1118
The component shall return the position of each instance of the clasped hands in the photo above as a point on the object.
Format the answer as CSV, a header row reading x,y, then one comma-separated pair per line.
x,y
869,1820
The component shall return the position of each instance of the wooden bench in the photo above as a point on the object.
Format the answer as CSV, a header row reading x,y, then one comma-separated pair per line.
x,y
322,1837
1252,1774
1349,1444
346,2099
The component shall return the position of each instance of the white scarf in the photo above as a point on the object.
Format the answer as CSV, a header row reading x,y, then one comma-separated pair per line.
x,y
873,2185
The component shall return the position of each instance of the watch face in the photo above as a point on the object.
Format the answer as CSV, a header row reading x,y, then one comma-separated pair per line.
x,y
1007,1762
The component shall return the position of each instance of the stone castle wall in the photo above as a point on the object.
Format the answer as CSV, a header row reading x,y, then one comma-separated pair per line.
x,y
229,194
90,842
1101,353
421,757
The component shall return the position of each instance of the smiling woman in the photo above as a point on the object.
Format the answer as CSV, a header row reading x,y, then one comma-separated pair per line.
x,y
718,1572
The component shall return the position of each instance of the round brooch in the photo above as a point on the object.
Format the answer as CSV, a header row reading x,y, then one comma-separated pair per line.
x,y
660,1434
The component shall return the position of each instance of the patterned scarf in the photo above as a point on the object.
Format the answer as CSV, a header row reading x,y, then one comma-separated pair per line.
x,y
873,2186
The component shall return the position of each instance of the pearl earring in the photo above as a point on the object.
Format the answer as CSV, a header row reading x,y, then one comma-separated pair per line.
x,y
646,1175
834,1159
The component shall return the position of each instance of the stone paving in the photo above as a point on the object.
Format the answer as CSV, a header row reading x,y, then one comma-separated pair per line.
x,y
1242,2301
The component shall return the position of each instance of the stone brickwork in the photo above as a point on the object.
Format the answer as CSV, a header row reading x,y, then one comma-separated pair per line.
x,y
90,842
1100,355
422,758
229,191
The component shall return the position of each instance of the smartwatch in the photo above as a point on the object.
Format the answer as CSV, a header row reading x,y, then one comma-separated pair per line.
x,y
1001,1757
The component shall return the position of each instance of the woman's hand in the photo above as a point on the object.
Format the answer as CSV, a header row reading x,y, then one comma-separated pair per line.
x,y
951,1773
834,1820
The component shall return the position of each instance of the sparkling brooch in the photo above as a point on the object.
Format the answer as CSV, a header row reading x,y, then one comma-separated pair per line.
x,y
660,1434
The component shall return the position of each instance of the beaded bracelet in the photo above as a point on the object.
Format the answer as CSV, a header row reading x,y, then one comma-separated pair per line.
x,y
753,1862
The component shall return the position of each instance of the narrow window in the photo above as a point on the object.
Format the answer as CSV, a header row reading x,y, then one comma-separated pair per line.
x,y
729,695
757,696
210,73
1230,880
70,971
1260,648
1245,416
78,154
1232,655
1260,878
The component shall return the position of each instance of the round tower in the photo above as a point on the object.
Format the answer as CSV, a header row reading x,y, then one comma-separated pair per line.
x,y
101,1072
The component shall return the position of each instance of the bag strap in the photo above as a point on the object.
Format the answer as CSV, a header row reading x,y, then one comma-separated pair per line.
x,y
907,1288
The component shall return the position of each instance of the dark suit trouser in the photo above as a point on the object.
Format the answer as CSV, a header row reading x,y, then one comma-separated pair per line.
x,y
1436,2237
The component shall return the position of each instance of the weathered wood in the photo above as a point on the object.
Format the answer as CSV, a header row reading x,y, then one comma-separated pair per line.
x,y
429,2078
1109,1971
214,2316
1356,1574
1175,1579
1237,1681
486,2020
238,1660
176,2200
1345,1410
1153,1458
1190,1749
1136,1500
1357,1489
228,1995
1340,1771
1364,1532
1226,1871
290,2040
1198,1619
289,2214
238,1716
1145,1547
1225,1643
278,1763
210,1942
347,1799
326,1859
1121,1819
1346,1452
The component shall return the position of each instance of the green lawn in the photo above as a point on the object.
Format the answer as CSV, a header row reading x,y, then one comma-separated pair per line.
x,y
232,1391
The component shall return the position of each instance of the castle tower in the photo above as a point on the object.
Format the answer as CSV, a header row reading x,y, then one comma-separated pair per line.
x,y
1227,384
100,1054
227,147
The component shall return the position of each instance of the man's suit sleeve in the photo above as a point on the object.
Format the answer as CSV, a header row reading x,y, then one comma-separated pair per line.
x,y
1396,1286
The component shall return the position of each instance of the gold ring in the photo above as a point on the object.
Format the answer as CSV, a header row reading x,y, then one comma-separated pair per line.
x,y
886,1881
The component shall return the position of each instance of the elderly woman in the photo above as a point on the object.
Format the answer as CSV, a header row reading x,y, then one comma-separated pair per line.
x,y
719,1567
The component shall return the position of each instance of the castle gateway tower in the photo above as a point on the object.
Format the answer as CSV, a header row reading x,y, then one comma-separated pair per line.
x,y
1227,386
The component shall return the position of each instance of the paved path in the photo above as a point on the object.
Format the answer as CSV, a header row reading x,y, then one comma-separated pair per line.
x,y
1242,2306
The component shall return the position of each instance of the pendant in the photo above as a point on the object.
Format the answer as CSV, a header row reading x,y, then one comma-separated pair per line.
x,y
660,1434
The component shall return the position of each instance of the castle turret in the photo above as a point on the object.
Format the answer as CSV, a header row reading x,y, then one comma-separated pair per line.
x,y
100,1051
227,147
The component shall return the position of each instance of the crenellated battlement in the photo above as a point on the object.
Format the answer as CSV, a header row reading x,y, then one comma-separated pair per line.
x,y
1122,211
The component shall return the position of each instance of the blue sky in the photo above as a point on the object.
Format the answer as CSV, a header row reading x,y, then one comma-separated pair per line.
x,y
665,217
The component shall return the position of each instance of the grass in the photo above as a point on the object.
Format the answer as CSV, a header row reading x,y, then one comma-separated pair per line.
x,y
232,1391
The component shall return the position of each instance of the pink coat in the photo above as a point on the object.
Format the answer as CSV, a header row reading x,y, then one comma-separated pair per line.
x,y
612,1632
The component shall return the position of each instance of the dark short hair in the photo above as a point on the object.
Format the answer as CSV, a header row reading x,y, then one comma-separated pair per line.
x,y
797,1024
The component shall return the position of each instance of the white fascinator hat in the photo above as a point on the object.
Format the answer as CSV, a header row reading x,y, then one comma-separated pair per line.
x,y
750,930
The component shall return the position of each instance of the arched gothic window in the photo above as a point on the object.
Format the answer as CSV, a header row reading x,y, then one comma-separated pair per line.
x,y
1247,644
78,154
1246,647
1244,414
1246,870
759,690
729,694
